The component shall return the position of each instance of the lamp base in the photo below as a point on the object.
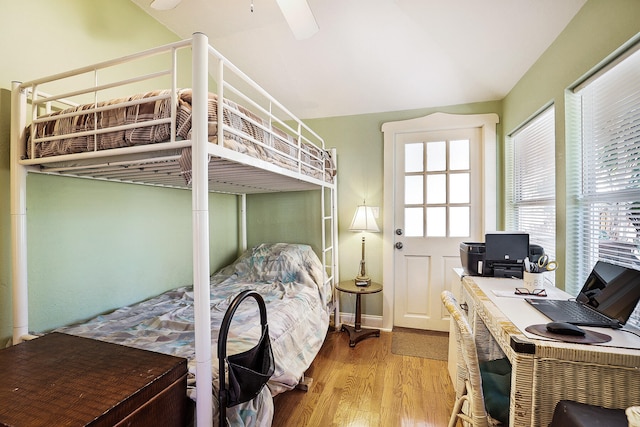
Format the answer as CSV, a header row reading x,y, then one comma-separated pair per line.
x,y
362,281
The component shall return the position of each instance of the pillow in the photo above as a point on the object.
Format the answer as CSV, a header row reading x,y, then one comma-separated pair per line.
x,y
276,262
268,262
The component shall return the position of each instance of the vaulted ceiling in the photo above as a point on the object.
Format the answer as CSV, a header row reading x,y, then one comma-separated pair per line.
x,y
378,55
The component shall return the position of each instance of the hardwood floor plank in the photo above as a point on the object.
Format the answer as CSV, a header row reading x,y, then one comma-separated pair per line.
x,y
368,386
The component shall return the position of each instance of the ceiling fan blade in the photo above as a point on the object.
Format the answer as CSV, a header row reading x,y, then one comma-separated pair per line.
x,y
299,17
164,4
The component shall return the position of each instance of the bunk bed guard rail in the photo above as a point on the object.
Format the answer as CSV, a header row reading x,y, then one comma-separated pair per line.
x,y
248,371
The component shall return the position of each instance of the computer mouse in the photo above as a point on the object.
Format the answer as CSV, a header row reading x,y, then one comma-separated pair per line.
x,y
564,328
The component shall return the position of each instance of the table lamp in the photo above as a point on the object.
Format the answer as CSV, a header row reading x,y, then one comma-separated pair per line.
x,y
363,220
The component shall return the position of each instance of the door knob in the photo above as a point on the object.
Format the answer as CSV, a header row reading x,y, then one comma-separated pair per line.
x,y
399,245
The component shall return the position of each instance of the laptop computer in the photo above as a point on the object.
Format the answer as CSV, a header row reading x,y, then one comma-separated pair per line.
x,y
607,299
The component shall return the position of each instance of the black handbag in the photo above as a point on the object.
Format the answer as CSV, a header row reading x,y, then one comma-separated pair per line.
x,y
250,370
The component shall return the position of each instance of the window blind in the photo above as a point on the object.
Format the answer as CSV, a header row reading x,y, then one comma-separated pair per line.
x,y
531,191
610,194
607,204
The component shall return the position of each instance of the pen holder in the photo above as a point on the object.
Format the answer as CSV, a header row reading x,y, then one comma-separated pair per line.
x,y
533,280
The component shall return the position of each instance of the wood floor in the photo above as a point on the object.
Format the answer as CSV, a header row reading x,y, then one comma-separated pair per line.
x,y
368,386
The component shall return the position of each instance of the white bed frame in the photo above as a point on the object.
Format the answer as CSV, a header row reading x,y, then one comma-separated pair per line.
x,y
228,171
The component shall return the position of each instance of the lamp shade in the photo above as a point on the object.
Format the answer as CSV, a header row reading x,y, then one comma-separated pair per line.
x,y
364,220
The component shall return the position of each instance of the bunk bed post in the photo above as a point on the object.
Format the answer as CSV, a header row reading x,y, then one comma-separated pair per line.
x,y
19,215
336,273
200,218
243,224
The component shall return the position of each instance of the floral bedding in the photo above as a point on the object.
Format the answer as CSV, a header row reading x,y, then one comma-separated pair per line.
x,y
290,279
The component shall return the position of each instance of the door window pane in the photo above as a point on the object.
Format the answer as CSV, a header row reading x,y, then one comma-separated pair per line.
x,y
413,222
436,156
414,157
436,222
459,221
413,190
436,188
459,154
459,188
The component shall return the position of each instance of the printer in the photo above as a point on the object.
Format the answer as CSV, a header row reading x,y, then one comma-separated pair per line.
x,y
501,255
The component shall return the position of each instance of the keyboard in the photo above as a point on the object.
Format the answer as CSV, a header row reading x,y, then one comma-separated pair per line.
x,y
572,312
579,312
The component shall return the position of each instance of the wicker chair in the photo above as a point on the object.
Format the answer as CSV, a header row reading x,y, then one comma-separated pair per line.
x,y
469,369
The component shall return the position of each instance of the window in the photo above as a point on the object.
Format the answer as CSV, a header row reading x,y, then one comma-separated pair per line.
x,y
437,188
530,181
604,220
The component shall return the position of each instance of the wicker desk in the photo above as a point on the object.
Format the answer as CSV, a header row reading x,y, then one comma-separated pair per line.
x,y
61,379
546,371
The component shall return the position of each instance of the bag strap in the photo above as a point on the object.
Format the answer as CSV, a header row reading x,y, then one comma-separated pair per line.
x,y
222,343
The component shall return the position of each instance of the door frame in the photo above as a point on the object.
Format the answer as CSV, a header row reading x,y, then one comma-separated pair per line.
x,y
433,122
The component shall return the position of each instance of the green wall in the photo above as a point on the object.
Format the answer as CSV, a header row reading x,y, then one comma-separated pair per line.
x,y
599,28
284,217
92,246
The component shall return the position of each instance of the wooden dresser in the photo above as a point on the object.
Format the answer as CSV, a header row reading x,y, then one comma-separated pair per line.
x,y
60,379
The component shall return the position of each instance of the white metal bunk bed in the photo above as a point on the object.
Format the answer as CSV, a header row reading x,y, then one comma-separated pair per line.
x,y
210,165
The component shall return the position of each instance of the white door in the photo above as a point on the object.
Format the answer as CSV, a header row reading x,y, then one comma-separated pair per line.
x,y
438,205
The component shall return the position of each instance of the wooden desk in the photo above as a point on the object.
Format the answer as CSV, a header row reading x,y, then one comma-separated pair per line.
x,y
62,379
546,371
356,333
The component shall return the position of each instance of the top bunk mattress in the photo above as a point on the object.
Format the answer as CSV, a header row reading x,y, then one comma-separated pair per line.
x,y
148,118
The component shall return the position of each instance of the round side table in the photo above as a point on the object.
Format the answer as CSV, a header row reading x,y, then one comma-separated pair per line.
x,y
356,333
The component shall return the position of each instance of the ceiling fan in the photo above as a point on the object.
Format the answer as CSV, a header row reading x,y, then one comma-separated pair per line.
x,y
297,13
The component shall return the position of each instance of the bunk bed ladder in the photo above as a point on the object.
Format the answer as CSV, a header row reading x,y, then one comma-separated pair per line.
x,y
329,253
330,249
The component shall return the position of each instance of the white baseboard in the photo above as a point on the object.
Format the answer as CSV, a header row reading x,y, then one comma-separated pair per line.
x,y
368,321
